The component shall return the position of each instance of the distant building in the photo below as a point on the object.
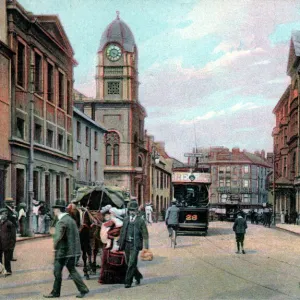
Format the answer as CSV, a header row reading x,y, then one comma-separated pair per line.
x,y
43,64
6,86
238,177
88,152
286,137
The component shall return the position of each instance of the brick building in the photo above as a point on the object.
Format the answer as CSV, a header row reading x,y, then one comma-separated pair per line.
x,y
286,136
41,115
237,177
6,85
117,108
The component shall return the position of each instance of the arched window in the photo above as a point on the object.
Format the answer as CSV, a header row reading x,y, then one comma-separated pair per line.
x,y
140,161
112,141
116,154
108,155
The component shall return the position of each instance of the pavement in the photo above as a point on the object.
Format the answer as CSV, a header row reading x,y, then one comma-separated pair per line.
x,y
289,227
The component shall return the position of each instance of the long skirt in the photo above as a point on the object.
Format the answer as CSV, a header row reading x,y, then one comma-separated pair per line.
x,y
113,268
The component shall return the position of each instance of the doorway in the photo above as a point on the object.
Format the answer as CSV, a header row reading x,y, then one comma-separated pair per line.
x,y
47,190
19,186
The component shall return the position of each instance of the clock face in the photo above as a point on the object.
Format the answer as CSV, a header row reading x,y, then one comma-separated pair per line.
x,y
113,52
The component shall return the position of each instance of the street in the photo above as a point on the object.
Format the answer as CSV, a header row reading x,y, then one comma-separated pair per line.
x,y
199,268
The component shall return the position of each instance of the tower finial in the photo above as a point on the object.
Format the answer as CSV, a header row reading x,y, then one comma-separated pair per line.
x,y
118,15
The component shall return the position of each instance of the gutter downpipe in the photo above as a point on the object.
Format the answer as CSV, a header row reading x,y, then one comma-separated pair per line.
x,y
31,150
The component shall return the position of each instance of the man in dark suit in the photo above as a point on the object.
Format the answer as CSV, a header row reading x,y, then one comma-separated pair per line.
x,y
67,250
133,236
239,227
7,239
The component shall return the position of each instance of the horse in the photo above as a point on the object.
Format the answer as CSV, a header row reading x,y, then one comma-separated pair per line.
x,y
90,240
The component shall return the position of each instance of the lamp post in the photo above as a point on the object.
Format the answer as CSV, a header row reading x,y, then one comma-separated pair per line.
x,y
154,160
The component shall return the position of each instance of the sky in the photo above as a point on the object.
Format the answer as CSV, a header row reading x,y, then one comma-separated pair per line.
x,y
210,71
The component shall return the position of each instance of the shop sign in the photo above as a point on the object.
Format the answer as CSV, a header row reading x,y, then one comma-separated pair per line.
x,y
191,177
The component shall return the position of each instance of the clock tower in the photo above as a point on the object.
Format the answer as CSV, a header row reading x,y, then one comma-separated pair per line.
x,y
118,109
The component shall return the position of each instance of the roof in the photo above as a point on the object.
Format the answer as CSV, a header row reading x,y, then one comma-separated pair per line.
x,y
284,97
87,118
258,160
296,41
119,32
283,181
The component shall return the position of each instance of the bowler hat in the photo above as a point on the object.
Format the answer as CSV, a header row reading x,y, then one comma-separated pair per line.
x,y
2,210
9,199
22,204
59,204
133,205
174,200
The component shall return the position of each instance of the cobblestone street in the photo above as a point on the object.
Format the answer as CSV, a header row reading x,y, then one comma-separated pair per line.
x,y
199,268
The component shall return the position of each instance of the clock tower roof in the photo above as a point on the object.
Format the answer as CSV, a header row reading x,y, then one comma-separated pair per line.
x,y
119,32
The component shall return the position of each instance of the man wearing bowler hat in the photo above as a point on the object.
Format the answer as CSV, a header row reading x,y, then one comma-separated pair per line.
x,y
133,235
67,250
12,216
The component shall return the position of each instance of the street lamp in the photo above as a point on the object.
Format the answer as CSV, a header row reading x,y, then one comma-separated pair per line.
x,y
155,155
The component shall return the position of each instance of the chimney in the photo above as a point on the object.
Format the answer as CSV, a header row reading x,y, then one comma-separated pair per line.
x,y
235,150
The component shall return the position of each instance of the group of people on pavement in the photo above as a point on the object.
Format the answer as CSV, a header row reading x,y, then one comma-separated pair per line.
x,y
133,238
41,217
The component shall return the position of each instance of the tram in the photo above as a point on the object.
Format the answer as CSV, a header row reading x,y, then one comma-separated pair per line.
x,y
191,192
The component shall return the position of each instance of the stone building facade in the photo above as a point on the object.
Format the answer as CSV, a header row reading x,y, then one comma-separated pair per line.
x,y
41,115
88,151
117,108
286,137
159,181
6,86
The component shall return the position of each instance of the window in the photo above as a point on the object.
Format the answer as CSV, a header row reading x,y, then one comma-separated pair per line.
x,y
245,183
96,140
37,133
38,75
57,186
36,184
78,131
140,161
246,169
49,141
60,142
223,198
21,65
61,90
228,182
95,171
69,100
68,146
86,168
78,162
246,198
157,178
161,180
50,81
221,170
108,155
221,182
87,139
20,128
116,155
113,88
112,142
284,167
228,169
141,127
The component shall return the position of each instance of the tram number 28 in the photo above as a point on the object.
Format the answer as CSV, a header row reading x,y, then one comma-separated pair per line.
x,y
191,217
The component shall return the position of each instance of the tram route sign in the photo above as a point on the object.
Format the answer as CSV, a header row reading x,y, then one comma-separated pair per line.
x,y
195,155
186,177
